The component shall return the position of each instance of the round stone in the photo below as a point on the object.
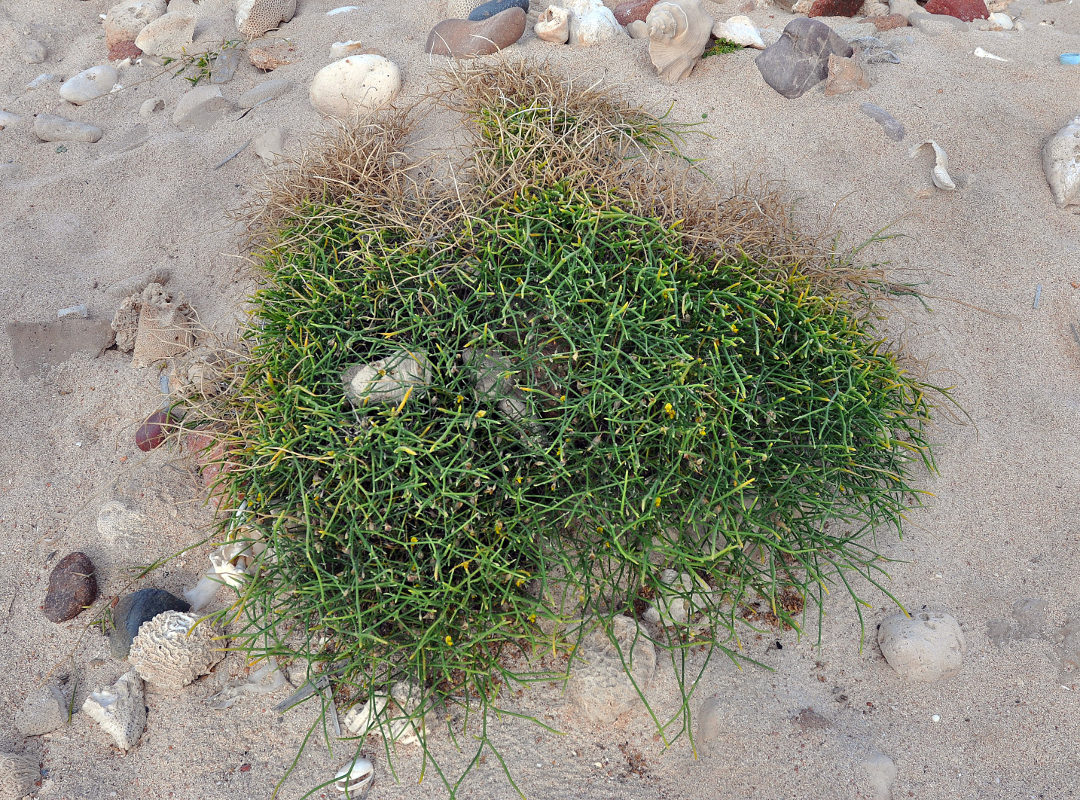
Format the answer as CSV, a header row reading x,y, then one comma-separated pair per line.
x,y
354,85
927,646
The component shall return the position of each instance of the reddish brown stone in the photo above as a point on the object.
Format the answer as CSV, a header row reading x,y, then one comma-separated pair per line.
x,y
889,22
121,50
633,11
460,38
272,54
967,10
835,8
72,587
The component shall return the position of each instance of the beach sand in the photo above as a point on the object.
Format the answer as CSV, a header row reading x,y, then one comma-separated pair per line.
x,y
1001,527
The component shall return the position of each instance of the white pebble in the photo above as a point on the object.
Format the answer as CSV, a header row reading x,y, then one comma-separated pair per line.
x,y
935,718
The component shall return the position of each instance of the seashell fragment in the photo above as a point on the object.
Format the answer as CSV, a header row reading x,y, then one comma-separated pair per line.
x,y
740,30
355,778
171,650
678,33
553,25
120,710
44,710
389,379
256,17
984,54
231,564
18,774
396,726
255,683
940,173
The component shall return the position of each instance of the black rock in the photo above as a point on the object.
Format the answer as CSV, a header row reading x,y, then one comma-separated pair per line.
x,y
493,7
135,609
799,60
72,587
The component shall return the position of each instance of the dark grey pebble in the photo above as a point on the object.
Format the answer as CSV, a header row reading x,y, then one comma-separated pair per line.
x,y
135,609
493,7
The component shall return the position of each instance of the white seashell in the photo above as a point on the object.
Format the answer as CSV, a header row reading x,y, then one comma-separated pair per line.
x,y
940,173
591,22
740,30
553,25
355,778
45,709
984,54
18,774
389,379
333,12
678,33
120,710
1061,163
170,651
1000,21
398,726
638,29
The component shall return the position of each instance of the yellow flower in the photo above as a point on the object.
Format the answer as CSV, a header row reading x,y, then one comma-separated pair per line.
x,y
449,642
412,540
669,410
498,526
658,501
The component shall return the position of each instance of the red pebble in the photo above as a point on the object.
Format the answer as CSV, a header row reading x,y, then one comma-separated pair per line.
x,y
967,10
122,50
153,432
835,8
889,22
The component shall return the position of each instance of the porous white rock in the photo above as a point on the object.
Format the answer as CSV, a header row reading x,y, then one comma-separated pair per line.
x,y
89,84
200,107
591,22
170,651
45,709
256,17
598,683
1061,163
169,35
927,646
126,20
120,710
354,85
18,774
553,25
51,128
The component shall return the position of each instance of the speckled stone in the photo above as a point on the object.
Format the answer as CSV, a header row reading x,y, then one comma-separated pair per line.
x,y
72,587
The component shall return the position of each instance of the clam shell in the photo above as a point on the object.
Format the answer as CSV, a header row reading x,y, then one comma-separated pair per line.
x,y
740,30
355,778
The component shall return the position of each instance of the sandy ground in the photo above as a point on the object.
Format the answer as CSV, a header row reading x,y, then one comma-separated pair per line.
x,y
1002,526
